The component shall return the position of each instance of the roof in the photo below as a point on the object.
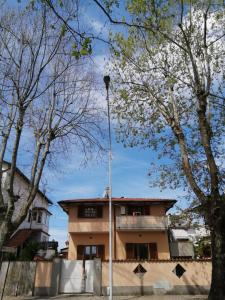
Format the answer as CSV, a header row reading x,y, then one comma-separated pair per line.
x,y
21,236
28,181
167,202
179,234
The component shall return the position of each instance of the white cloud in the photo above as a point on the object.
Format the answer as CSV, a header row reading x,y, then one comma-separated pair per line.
x,y
75,191
96,26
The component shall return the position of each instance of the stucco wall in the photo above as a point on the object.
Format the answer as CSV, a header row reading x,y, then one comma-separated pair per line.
x,y
88,224
159,237
159,278
121,239
43,274
85,231
87,239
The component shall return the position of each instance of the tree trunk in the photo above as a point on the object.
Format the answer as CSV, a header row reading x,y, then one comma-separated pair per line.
x,y
217,289
4,233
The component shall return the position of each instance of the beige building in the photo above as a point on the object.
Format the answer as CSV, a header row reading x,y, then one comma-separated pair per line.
x,y
140,228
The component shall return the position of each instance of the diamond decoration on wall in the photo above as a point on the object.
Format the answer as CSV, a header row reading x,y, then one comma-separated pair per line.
x,y
178,270
139,270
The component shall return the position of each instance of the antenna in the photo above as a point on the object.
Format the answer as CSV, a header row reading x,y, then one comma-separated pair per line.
x,y
107,81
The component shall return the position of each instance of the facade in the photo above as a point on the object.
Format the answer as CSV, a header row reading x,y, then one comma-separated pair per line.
x,y
183,239
36,224
180,244
140,228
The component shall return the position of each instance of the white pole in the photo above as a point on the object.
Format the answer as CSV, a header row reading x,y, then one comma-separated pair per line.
x,y
107,80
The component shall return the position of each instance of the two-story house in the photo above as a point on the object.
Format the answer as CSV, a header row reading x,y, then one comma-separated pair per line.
x,y
140,228
36,224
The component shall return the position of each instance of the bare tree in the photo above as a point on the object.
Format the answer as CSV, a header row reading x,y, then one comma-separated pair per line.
x,y
46,94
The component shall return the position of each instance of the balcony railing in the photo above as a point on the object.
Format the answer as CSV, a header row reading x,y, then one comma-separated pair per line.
x,y
141,223
48,245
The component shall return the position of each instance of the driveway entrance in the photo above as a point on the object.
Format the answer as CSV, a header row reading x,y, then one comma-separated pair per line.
x,y
76,276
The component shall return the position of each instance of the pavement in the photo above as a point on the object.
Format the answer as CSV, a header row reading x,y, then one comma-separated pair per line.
x,y
91,297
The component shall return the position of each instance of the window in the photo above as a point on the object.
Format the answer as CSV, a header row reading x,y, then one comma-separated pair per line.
x,y
29,216
141,251
138,210
46,219
90,212
89,252
39,220
34,215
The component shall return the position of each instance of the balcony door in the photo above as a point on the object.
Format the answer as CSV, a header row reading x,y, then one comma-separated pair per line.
x,y
89,252
143,251
138,210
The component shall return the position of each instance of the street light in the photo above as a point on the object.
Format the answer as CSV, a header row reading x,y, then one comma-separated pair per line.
x,y
107,81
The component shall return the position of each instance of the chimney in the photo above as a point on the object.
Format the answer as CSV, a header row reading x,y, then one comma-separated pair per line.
x,y
106,192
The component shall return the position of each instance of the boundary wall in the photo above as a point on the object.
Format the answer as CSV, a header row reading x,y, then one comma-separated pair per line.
x,y
176,277
172,277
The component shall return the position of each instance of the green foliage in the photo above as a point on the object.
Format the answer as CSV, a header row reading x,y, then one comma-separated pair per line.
x,y
60,3
7,256
202,248
109,4
154,83
63,30
82,50
29,251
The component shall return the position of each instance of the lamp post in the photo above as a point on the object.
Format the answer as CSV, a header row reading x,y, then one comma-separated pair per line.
x,y
107,81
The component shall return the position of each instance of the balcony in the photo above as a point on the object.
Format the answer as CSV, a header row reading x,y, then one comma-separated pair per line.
x,y
155,223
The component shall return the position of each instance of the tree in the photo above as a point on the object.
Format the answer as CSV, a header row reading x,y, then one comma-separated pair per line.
x,y
46,102
168,70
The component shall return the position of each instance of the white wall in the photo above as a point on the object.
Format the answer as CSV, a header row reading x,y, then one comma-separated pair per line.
x,y
21,189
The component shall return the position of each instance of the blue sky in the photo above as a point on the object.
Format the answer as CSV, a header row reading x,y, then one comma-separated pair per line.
x,y
129,179
129,166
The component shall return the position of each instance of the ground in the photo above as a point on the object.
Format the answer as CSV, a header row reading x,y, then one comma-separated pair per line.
x,y
90,297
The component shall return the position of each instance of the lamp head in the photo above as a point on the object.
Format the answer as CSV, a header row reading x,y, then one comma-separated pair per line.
x,y
107,81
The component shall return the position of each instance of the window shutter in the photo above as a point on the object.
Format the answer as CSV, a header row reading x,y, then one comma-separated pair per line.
x,y
80,212
100,251
99,211
153,251
129,251
147,210
80,252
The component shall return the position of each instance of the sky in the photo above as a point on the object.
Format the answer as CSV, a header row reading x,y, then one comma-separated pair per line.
x,y
129,165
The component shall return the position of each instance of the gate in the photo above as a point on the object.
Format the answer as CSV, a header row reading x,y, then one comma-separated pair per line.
x,y
76,276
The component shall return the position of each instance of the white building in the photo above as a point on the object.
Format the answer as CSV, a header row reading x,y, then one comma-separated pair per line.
x,y
36,224
197,233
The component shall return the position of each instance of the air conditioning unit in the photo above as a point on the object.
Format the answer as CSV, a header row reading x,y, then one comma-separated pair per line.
x,y
123,210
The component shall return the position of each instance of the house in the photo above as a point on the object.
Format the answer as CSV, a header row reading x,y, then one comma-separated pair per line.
x,y
181,245
36,225
140,228
197,233
185,235
183,241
